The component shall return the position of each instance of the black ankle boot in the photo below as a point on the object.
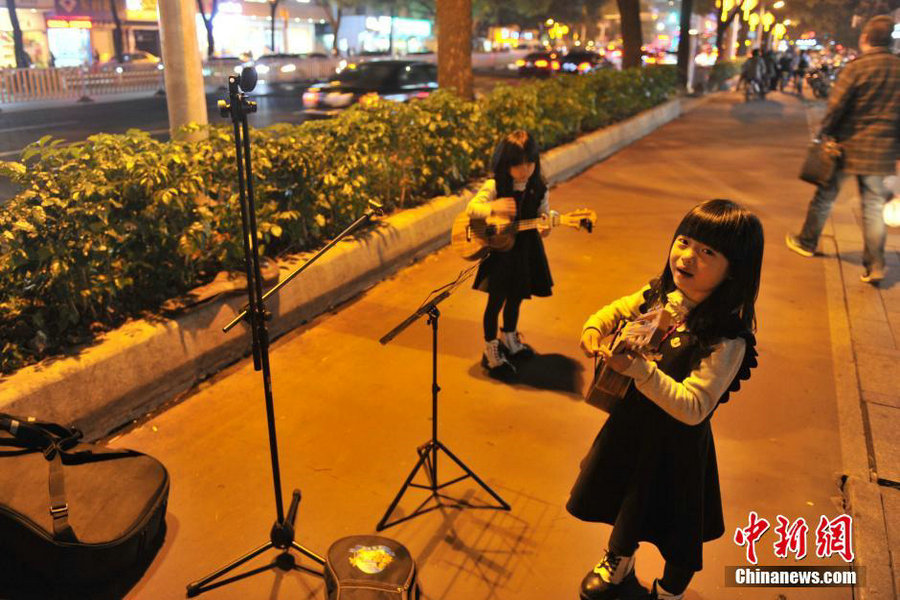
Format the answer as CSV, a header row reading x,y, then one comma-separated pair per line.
x,y
606,580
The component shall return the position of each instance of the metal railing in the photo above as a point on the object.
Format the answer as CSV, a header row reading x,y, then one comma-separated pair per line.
x,y
26,85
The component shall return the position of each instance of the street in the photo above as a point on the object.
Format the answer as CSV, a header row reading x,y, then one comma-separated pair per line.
x,y
351,412
74,121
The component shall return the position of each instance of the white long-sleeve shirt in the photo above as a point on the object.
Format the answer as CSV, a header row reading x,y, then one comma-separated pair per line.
x,y
479,206
691,400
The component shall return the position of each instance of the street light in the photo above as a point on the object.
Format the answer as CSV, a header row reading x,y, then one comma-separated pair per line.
x,y
549,22
779,4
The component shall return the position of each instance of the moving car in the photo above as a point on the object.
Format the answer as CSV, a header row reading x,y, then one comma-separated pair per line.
x,y
578,62
132,61
397,80
538,64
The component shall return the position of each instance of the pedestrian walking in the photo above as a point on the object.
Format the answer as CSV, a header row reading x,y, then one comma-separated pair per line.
x,y
786,69
771,70
651,472
800,69
516,191
863,116
753,74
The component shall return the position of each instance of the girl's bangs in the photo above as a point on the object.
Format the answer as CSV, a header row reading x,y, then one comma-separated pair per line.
x,y
720,230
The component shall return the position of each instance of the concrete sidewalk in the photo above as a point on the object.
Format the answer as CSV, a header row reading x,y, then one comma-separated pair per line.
x,y
867,342
350,412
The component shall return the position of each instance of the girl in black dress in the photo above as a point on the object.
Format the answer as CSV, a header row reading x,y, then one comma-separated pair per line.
x,y
651,472
517,191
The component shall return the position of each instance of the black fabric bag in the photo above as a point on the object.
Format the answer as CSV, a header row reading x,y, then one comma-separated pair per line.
x,y
73,512
369,567
823,157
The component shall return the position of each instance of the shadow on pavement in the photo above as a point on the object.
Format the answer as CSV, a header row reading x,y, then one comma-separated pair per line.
x,y
757,110
553,372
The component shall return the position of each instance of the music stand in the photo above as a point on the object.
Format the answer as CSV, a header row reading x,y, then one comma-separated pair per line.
x,y
281,536
428,452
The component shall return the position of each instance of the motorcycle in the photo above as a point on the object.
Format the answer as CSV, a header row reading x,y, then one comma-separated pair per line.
x,y
820,80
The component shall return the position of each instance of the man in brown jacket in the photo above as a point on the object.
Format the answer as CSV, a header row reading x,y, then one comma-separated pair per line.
x,y
864,117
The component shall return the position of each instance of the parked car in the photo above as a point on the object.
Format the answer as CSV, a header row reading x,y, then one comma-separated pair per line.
x,y
538,64
578,62
397,80
132,61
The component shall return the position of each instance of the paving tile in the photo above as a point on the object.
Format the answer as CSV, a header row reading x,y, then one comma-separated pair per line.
x,y
863,300
885,422
891,498
894,320
878,368
872,332
883,399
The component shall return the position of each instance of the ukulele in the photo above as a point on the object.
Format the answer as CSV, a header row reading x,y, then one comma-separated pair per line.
x,y
642,336
474,238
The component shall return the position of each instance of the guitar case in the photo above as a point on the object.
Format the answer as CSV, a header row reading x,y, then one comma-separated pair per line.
x,y
73,512
370,567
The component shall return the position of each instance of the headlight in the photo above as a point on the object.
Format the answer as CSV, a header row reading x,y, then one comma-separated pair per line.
x,y
262,69
288,68
310,99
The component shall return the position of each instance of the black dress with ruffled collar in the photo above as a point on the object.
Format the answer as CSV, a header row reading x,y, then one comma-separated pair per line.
x,y
654,475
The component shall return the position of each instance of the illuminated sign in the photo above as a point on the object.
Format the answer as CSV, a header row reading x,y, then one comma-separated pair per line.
x,y
58,23
140,10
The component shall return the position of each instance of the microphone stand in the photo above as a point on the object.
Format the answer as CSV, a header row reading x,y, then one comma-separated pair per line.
x,y
281,536
430,450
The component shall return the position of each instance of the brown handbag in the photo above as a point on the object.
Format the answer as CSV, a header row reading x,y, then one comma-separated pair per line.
x,y
823,158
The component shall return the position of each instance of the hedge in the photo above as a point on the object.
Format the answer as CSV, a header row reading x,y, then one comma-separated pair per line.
x,y
109,228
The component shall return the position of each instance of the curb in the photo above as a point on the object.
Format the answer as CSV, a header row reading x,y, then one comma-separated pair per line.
x,y
137,367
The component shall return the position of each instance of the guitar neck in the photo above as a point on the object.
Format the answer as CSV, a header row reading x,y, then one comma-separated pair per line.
x,y
527,224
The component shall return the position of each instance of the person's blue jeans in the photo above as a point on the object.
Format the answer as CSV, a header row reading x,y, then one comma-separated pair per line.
x,y
874,194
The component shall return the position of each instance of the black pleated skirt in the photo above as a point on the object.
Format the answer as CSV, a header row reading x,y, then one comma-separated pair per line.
x,y
654,476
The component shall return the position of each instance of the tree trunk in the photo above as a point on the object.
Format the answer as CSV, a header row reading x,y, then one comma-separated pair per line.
x,y
118,41
722,31
454,20
684,42
334,19
335,25
22,60
632,37
273,6
208,22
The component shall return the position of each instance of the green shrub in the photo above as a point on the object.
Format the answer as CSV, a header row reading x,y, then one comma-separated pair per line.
x,y
108,228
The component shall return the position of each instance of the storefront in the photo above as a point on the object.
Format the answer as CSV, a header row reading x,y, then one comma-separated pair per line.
x,y
31,15
70,41
359,34
245,29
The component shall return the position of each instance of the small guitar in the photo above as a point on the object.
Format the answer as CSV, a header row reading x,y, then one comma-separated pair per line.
x,y
643,336
474,238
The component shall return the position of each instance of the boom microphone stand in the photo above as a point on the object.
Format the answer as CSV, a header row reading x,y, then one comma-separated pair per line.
x,y
428,452
281,536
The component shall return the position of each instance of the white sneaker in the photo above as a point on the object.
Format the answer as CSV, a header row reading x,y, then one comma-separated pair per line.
x,y
512,342
493,359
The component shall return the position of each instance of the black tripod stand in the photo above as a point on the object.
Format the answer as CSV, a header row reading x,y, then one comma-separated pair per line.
x,y
281,536
428,452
